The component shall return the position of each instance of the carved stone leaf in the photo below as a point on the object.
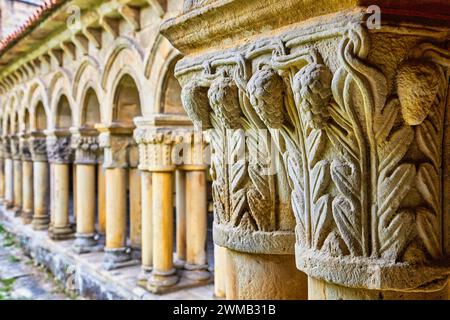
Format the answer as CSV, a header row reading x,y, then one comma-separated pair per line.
x,y
294,168
320,178
298,207
427,229
396,235
428,141
348,223
315,144
342,142
427,183
238,201
393,150
346,177
392,189
384,121
321,220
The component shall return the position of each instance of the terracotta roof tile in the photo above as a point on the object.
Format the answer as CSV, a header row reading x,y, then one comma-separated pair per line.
x,y
33,20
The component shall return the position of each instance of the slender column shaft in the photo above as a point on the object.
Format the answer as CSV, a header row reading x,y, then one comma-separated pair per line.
x,y
116,209
27,184
196,224
85,204
9,183
85,200
180,194
135,210
40,191
147,226
2,179
61,228
74,191
17,184
101,199
163,274
219,271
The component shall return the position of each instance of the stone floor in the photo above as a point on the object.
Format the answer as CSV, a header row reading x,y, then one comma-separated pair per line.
x,y
83,274
20,278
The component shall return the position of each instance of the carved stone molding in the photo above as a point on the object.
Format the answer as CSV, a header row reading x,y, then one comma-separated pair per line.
x,y
358,145
59,147
119,148
86,146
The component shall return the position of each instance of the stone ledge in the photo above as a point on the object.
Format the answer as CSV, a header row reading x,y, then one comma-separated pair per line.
x,y
83,273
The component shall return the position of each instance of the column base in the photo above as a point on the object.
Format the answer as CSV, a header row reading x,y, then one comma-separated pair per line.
x,y
322,290
136,253
179,263
27,216
17,211
263,276
86,243
144,276
61,233
199,273
117,258
9,204
161,281
40,223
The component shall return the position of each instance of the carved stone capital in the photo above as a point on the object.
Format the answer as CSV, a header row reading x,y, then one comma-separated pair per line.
x,y
86,146
59,147
6,147
119,148
25,148
356,123
15,147
38,147
155,148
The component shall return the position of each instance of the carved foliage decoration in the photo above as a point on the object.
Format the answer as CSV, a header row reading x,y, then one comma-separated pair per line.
x,y
361,165
59,149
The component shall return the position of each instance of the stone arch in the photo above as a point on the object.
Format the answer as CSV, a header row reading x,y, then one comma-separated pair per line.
x,y
63,113
87,81
90,109
159,68
37,95
124,60
126,103
40,117
60,97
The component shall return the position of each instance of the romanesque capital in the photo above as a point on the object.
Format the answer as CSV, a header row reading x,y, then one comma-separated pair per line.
x,y
353,121
16,153
86,145
155,148
59,146
119,148
25,147
6,147
38,146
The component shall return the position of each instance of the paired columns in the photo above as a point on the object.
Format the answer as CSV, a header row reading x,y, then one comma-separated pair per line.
x,y
17,174
9,173
27,179
60,156
41,185
86,146
159,150
119,152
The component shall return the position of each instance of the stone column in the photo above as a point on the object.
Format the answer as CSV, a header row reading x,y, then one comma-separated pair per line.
x,y
155,147
86,147
17,173
220,255
180,207
27,179
59,155
101,199
134,176
352,112
147,228
2,170
41,196
119,148
9,175
194,165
